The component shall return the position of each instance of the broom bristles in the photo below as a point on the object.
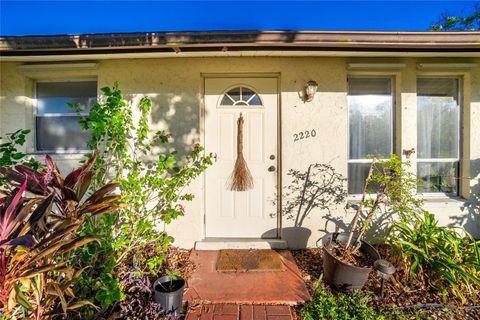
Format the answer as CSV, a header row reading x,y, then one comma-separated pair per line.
x,y
241,179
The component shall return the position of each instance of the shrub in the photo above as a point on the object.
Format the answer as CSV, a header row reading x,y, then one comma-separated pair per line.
x,y
152,180
38,237
436,255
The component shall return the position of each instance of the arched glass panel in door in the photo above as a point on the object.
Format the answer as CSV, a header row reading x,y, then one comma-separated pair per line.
x,y
241,96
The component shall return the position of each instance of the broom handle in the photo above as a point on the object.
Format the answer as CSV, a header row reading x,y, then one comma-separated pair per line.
x,y
240,135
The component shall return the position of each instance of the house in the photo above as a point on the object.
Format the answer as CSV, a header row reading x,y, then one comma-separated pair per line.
x,y
315,103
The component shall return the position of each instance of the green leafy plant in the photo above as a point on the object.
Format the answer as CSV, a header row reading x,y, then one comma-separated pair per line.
x,y
38,237
435,255
352,306
10,155
152,180
387,188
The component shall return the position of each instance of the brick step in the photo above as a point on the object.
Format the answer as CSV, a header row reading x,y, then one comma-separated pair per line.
x,y
232,311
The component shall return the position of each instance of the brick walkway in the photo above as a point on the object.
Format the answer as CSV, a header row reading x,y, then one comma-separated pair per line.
x,y
240,312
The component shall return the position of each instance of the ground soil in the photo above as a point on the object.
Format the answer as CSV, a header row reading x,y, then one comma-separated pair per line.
x,y
397,293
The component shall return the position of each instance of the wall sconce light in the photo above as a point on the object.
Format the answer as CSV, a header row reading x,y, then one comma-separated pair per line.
x,y
310,90
384,269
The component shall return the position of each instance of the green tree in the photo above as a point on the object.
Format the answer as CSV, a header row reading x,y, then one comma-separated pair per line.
x,y
449,22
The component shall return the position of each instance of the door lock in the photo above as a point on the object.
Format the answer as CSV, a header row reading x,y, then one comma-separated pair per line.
x,y
271,168
272,157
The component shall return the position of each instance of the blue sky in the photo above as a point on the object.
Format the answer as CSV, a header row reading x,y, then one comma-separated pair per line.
x,y
73,17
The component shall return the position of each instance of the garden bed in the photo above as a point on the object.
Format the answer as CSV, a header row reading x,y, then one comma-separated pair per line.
x,y
397,297
139,302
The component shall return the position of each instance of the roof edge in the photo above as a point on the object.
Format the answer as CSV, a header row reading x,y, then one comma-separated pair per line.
x,y
276,39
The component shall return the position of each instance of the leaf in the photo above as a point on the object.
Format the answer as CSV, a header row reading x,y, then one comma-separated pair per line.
x,y
58,234
83,184
62,298
8,215
22,299
80,304
42,209
68,194
76,243
32,185
72,178
101,192
39,270
102,206
25,241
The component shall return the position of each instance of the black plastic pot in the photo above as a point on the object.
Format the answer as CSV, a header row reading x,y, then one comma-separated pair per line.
x,y
169,293
340,275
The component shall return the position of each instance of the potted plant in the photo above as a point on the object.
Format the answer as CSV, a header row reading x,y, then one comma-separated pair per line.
x,y
347,258
169,292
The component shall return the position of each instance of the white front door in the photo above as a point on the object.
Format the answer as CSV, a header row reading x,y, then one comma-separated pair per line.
x,y
248,214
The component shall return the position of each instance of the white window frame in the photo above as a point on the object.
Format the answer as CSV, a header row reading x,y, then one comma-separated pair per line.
x,y
358,196
56,114
457,193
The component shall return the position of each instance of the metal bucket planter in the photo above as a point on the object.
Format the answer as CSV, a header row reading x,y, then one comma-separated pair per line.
x,y
340,275
169,293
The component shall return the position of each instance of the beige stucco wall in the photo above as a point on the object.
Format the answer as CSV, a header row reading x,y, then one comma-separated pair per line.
x,y
175,86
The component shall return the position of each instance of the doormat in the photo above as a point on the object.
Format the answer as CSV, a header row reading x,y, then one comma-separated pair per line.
x,y
248,260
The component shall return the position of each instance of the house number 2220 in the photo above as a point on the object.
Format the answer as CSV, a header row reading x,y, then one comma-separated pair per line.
x,y
304,135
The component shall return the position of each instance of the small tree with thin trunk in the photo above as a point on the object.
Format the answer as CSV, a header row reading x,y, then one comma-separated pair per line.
x,y
389,186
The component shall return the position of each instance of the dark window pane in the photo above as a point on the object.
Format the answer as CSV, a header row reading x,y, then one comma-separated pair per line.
x,y
241,96
374,86
437,177
357,173
247,94
437,118
52,97
60,133
226,101
235,94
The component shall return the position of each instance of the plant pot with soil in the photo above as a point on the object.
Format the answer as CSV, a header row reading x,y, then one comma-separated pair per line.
x,y
169,293
346,272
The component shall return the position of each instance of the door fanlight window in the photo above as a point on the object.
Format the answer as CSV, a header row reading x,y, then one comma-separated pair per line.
x,y
241,96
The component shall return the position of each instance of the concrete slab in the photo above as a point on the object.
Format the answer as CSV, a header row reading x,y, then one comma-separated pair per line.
x,y
221,243
279,287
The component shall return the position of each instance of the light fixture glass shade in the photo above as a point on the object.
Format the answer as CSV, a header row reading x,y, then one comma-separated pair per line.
x,y
310,90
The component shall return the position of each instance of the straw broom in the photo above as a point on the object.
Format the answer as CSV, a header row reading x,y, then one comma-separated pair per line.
x,y
241,179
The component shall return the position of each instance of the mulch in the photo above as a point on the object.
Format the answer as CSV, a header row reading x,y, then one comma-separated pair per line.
x,y
397,295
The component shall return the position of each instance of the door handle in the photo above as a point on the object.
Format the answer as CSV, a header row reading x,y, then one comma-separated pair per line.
x,y
271,168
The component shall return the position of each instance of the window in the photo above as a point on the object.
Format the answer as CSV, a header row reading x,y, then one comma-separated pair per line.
x,y
371,126
438,135
57,127
241,96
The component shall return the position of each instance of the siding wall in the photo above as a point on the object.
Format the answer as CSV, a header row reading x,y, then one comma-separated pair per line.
x,y
176,84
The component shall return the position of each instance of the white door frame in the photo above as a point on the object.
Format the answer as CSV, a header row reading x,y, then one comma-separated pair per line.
x,y
279,188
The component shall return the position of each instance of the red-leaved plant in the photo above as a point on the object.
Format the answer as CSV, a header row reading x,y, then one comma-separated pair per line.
x,y
38,237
